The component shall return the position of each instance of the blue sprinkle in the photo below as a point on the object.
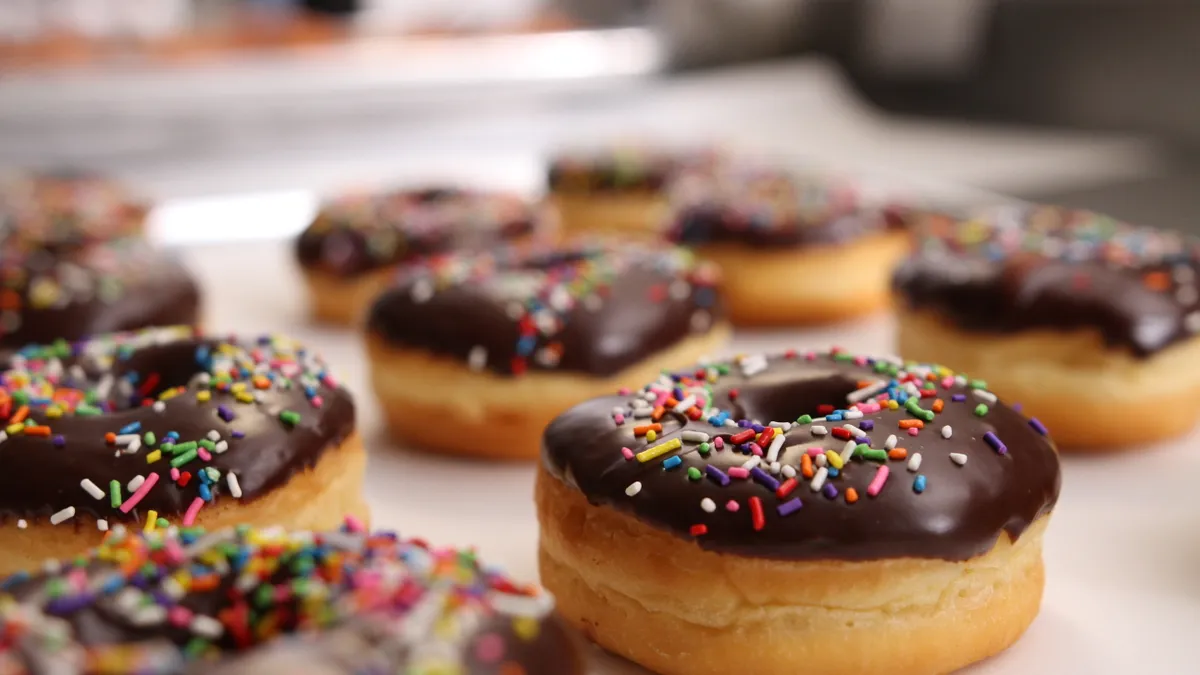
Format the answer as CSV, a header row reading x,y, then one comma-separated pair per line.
x,y
205,493
131,428
833,473
919,484
672,462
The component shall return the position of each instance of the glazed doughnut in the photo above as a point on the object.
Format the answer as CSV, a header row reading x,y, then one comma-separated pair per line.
x,y
619,191
67,207
496,345
348,251
1088,322
51,290
256,601
824,512
163,426
795,248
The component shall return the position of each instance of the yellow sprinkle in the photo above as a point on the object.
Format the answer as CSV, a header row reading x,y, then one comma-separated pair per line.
x,y
54,412
659,450
526,628
14,429
238,387
651,435
183,579
892,405
151,520
169,394
154,456
203,395
835,460
243,397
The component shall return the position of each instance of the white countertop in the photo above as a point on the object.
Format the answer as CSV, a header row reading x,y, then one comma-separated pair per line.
x,y
1122,552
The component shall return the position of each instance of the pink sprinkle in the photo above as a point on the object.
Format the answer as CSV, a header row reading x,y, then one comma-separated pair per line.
x,y
317,401
701,402
947,382
810,356
719,443
489,648
136,497
78,578
623,391
881,475
354,524
627,452
860,360
738,472
913,431
732,506
756,449
868,408
283,593
175,473
204,455
329,381
179,615
662,399
189,517
619,419
813,452
175,552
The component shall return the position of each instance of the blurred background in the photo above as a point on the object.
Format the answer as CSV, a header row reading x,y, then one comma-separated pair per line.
x,y
239,111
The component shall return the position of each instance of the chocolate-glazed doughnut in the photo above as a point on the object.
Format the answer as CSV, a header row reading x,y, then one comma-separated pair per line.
x,y
69,292
501,342
67,208
252,601
793,504
167,426
797,248
1084,319
621,189
357,238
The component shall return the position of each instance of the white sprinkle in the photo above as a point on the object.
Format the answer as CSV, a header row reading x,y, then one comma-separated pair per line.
x,y
591,303
642,413
102,525
708,505
947,431
788,471
752,462
1187,295
848,451
914,462
775,447
173,588
91,488
3,436
477,359
135,483
149,615
730,423
786,426
753,365
700,321
774,467
854,430
159,406
818,430
985,395
852,415
818,480
126,439
51,566
694,436
890,442
133,446
206,627
21,524
214,435
634,488
685,404
958,458
514,310
221,446
1192,320
860,395
235,489
66,514
421,291
821,460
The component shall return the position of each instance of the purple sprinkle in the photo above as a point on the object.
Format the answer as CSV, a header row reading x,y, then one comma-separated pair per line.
x,y
743,423
1017,407
789,507
744,448
863,439
996,443
238,434
1038,426
758,428
225,413
65,605
764,478
958,397
719,477
866,425
830,490
59,441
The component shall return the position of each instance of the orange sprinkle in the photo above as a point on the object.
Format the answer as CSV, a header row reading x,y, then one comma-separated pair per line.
x,y
10,299
37,431
261,382
110,438
641,431
938,404
911,424
851,495
658,413
897,453
806,465
1157,281
208,582
20,415
863,384
670,403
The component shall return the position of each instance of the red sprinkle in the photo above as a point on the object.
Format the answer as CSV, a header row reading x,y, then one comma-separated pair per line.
x,y
824,409
149,385
756,514
787,487
742,436
733,394
766,435
694,413
184,478
840,433
699,530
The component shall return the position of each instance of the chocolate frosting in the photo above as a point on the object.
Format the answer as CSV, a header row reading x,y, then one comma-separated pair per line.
x,y
66,208
261,410
1034,267
337,602
759,207
595,309
629,169
959,513
358,233
72,292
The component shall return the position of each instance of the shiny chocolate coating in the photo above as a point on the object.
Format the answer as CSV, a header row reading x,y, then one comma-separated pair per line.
x,y
358,233
992,472
1047,268
166,407
66,208
253,601
594,309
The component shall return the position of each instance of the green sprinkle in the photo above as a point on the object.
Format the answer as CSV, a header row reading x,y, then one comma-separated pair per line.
x,y
861,449
195,648
704,448
874,455
981,409
978,384
30,422
20,397
290,417
85,410
162,523
804,419
915,408
167,447
693,473
843,356
207,444
150,438
183,459
114,493
179,448
56,587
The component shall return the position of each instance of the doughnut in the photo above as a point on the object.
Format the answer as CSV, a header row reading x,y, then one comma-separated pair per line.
x,y
845,513
251,601
619,191
51,291
348,250
796,249
494,345
1089,322
166,426
67,208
